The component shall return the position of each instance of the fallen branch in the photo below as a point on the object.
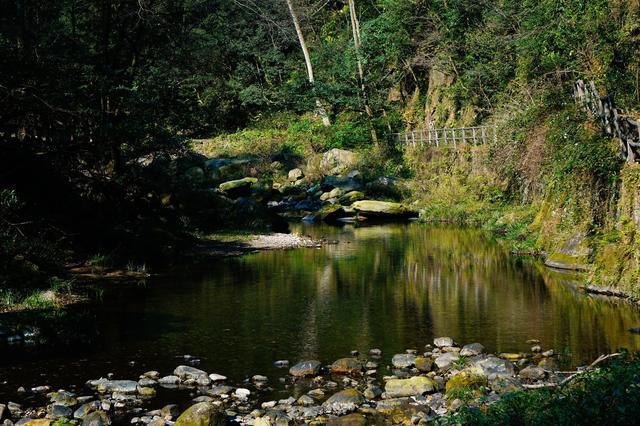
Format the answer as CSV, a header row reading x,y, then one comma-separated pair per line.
x,y
573,375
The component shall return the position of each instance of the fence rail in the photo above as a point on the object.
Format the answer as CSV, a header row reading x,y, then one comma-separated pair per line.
x,y
612,121
447,136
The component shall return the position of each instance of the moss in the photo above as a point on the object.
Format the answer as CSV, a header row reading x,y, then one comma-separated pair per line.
x,y
466,385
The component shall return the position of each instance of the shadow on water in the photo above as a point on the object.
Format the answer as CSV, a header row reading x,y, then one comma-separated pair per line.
x,y
392,287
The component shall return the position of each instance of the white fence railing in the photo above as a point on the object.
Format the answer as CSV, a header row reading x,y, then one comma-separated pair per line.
x,y
447,136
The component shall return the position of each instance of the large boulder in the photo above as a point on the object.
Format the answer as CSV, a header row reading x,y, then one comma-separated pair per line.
x,y
200,414
383,209
337,161
238,187
305,368
414,386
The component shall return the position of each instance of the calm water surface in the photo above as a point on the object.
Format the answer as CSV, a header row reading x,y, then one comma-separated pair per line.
x,y
392,287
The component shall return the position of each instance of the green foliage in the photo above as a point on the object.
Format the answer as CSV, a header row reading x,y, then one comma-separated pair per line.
x,y
608,395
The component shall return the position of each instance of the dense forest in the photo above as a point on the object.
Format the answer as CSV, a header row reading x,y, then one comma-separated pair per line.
x,y
133,130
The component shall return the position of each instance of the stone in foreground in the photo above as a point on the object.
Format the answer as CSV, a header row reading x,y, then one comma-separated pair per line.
x,y
417,385
344,401
403,360
200,414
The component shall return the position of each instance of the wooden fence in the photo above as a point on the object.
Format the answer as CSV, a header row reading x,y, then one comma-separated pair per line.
x,y
613,123
447,136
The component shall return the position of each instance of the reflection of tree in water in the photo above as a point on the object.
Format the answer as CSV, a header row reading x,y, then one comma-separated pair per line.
x,y
401,285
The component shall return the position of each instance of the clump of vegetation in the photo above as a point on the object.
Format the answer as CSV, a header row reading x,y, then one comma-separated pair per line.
x,y
608,395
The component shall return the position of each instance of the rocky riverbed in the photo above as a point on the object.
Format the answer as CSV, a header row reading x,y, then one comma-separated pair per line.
x,y
413,387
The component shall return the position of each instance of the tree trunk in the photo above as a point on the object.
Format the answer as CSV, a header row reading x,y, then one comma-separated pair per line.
x,y
307,59
355,27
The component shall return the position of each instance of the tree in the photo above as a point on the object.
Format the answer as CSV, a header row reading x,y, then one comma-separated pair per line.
x,y
355,27
307,58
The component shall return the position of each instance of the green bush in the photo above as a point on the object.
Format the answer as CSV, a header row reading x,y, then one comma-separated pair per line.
x,y
608,395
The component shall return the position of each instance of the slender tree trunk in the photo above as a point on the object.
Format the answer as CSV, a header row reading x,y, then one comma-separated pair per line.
x,y
355,27
307,60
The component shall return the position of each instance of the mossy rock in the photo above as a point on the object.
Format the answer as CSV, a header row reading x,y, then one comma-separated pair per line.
x,y
423,364
417,385
467,382
351,197
238,187
201,414
382,209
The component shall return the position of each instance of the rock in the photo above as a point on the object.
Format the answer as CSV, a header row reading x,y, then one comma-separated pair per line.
x,y
200,414
336,161
403,360
33,422
3,411
344,401
316,393
242,393
493,366
512,356
442,342
146,392
424,365
344,183
170,411
217,377
445,360
194,175
372,392
153,375
417,385
185,372
305,368
282,363
259,379
262,421
295,174
169,380
120,386
383,209
329,213
57,411
536,349
467,380
505,384
346,366
147,382
85,409
353,419
96,418
306,400
40,389
472,349
351,197
548,353
533,373
239,187
375,352
64,398
219,390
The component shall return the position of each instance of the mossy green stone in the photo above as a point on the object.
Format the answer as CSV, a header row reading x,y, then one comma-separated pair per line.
x,y
200,414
